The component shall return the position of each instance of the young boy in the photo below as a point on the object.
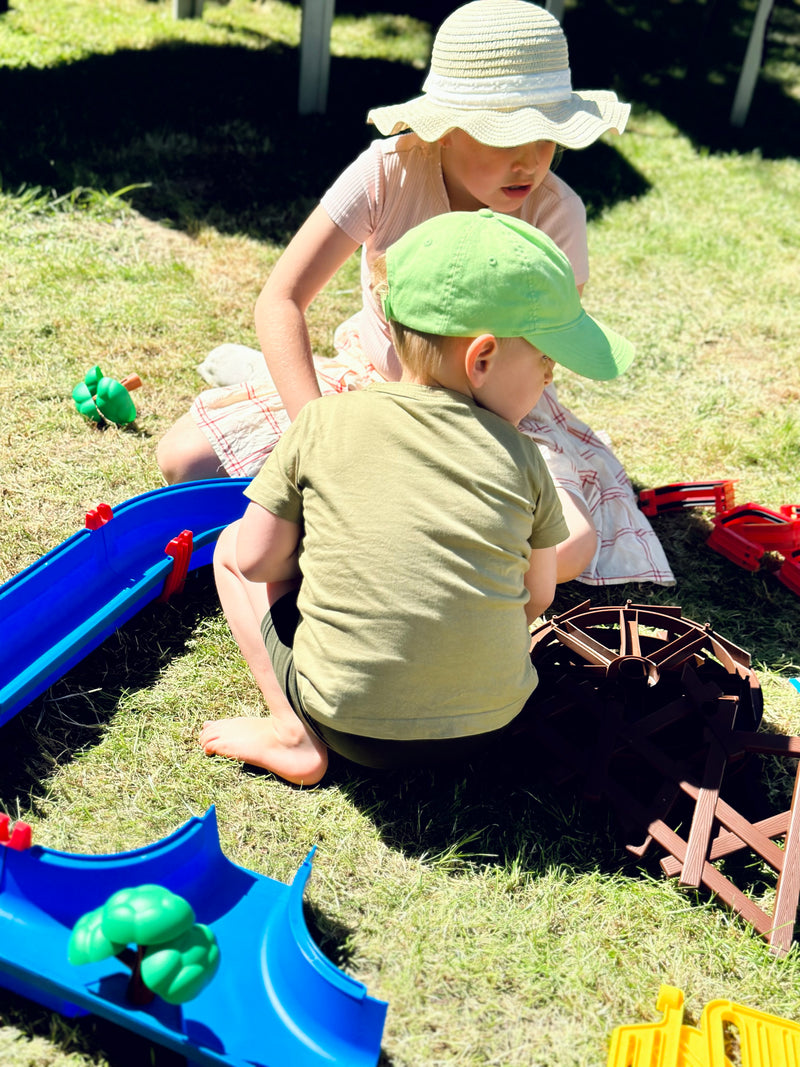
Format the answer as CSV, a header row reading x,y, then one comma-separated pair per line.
x,y
401,539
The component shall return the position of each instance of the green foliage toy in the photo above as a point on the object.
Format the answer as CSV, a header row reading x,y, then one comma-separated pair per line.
x,y
103,399
175,957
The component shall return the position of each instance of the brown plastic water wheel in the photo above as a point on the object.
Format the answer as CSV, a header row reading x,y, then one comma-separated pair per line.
x,y
655,714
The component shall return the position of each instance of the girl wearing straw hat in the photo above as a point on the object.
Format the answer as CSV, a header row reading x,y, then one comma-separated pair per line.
x,y
497,101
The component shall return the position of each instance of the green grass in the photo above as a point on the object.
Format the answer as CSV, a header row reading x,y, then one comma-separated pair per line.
x,y
501,919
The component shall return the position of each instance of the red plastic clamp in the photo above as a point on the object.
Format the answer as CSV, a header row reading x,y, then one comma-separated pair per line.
x,y
180,548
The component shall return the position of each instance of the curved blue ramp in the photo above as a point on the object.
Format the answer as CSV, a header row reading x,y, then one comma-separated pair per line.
x,y
276,1000
55,612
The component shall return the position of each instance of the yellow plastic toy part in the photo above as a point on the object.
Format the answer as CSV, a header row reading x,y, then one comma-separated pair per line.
x,y
651,1044
764,1040
670,1044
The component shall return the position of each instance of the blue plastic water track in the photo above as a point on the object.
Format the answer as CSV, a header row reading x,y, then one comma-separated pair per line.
x,y
65,604
276,1000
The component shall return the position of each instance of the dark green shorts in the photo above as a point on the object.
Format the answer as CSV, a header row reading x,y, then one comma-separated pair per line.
x,y
278,629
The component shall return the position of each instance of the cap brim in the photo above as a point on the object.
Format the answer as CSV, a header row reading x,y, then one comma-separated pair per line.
x,y
574,123
586,347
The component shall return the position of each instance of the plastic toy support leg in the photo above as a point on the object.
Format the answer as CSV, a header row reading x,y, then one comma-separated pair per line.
x,y
613,681
735,547
99,516
778,927
651,1044
180,548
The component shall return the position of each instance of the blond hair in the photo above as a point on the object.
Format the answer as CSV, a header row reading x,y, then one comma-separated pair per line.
x,y
421,353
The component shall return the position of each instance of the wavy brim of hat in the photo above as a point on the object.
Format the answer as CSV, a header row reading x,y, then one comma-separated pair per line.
x,y
574,123
587,348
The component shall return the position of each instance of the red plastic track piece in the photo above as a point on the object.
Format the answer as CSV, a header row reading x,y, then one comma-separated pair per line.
x,y
716,494
99,516
789,573
180,548
20,837
733,546
775,531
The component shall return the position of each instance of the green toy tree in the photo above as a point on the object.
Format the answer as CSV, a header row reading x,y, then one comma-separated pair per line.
x,y
175,957
104,399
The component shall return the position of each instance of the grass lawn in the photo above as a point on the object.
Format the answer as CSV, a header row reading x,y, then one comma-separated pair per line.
x,y
150,173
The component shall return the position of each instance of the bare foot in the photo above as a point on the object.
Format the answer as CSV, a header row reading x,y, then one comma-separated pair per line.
x,y
299,758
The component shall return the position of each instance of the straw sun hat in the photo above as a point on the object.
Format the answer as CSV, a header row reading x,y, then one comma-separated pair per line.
x,y
500,72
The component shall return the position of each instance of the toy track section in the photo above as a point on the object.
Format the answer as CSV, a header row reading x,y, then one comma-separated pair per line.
x,y
276,999
64,605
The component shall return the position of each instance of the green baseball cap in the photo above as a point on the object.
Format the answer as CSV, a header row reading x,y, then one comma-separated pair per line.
x,y
470,272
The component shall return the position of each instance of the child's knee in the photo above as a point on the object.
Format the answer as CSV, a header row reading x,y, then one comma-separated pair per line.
x,y
224,557
170,455
184,455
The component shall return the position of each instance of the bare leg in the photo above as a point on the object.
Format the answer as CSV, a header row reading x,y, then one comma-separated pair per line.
x,y
280,743
575,554
184,454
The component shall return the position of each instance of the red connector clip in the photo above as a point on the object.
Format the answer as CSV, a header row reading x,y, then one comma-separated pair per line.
x,y
99,516
20,837
716,494
180,548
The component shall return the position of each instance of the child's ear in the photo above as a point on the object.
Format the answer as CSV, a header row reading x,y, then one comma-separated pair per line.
x,y
479,359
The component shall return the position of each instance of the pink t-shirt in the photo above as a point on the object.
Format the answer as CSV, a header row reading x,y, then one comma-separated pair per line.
x,y
396,184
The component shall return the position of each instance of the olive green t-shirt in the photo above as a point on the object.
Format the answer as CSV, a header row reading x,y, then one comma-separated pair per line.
x,y
418,510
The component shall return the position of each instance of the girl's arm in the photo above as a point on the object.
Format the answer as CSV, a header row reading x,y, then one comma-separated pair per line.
x,y
266,546
540,581
310,260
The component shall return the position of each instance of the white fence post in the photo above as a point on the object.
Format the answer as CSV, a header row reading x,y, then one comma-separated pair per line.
x,y
315,56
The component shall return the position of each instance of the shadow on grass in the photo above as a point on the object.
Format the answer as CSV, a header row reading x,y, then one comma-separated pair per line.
x,y
502,813
212,131
210,134
92,1036
88,1035
75,712
336,941
683,59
